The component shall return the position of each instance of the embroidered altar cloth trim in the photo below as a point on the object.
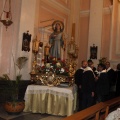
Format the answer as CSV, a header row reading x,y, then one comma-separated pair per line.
x,y
37,89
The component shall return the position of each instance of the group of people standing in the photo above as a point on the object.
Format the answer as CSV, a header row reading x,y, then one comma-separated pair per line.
x,y
96,84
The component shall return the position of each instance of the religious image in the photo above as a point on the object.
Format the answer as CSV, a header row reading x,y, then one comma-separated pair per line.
x,y
93,52
56,40
26,41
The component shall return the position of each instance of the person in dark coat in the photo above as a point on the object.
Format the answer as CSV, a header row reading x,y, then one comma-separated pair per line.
x,y
118,80
111,76
88,88
78,79
91,65
102,84
79,72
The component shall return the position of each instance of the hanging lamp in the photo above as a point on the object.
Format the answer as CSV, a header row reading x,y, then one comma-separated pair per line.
x,y
6,16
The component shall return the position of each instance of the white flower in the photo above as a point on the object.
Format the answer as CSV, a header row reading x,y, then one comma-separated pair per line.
x,y
62,70
47,65
58,64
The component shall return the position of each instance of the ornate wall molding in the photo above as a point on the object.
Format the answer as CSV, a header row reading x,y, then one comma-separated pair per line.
x,y
52,12
65,3
84,13
57,6
107,10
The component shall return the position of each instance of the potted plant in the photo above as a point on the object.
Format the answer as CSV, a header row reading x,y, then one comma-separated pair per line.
x,y
14,105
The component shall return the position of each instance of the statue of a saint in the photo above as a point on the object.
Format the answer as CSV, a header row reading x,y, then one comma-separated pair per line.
x,y
56,40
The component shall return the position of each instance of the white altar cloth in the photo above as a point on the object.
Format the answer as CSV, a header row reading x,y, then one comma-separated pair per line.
x,y
51,100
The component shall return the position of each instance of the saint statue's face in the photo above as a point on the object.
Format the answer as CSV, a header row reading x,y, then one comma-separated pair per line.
x,y
58,27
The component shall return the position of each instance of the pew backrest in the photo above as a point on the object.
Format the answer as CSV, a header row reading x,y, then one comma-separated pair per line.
x,y
111,103
85,114
95,110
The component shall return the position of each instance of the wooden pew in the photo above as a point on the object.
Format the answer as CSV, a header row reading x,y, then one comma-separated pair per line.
x,y
85,114
110,104
95,110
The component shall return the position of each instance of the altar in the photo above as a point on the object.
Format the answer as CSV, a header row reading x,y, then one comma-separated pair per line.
x,y
50,69
51,100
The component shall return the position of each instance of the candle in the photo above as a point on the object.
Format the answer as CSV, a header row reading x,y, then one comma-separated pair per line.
x,y
72,48
46,50
35,46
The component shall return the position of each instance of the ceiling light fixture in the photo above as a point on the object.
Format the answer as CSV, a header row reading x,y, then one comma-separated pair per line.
x,y
6,16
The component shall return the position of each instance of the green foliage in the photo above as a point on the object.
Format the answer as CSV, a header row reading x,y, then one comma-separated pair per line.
x,y
12,88
103,60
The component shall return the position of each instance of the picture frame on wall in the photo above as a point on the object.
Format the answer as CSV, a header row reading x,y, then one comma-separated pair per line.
x,y
93,52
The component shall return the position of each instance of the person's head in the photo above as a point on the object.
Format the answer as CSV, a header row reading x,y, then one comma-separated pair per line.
x,y
92,66
84,64
90,62
118,66
107,64
57,27
101,67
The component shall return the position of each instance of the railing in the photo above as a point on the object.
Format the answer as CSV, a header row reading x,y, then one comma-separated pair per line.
x,y
93,112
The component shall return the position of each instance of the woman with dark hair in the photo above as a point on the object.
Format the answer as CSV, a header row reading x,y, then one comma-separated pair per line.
x,y
118,80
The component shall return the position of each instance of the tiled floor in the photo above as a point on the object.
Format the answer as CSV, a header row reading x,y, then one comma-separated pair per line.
x,y
27,116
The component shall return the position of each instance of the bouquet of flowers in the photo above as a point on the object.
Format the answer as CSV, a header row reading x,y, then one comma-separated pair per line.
x,y
58,67
103,60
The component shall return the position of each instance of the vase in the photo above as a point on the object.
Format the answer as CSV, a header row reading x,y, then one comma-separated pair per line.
x,y
14,108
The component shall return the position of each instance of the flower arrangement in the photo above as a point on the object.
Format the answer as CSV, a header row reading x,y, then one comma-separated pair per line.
x,y
103,60
58,67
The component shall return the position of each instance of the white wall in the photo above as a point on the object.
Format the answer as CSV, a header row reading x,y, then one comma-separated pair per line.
x,y
27,23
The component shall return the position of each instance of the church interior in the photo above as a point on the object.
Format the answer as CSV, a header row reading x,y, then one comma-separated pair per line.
x,y
90,31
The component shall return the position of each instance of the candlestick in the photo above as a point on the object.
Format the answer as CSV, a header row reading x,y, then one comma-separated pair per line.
x,y
46,50
35,46
73,30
